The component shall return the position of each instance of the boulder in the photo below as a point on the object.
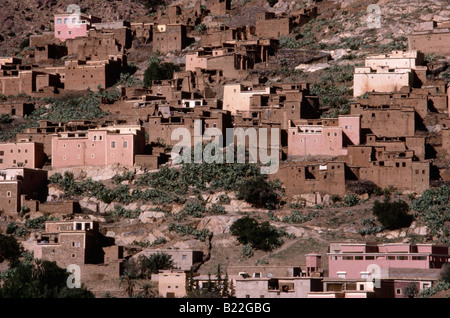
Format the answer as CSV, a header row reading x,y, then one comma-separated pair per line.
x,y
150,217
217,224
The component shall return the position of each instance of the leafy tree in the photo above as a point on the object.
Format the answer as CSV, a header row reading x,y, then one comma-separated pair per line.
x,y
10,248
158,70
392,215
260,236
258,192
152,5
154,263
130,282
219,288
37,279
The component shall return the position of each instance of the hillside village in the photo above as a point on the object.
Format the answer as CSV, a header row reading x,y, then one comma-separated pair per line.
x,y
357,207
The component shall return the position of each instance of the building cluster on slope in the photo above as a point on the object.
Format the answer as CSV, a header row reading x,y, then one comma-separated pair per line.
x,y
381,140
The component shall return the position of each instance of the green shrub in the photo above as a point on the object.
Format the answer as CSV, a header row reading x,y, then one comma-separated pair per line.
x,y
5,119
120,211
429,292
183,230
298,218
154,263
194,209
433,208
371,228
127,176
224,199
216,209
39,222
351,199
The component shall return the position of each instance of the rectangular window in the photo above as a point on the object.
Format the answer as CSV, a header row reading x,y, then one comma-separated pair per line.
x,y
125,144
58,21
347,258
2,153
66,20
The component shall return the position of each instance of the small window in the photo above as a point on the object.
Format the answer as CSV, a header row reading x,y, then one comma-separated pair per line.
x,y
398,291
8,194
113,144
125,144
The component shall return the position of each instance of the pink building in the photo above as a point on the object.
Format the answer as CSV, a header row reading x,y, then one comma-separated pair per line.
x,y
98,147
360,260
72,25
21,154
323,137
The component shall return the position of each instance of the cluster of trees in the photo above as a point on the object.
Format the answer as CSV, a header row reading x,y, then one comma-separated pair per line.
x,y
217,288
158,70
28,277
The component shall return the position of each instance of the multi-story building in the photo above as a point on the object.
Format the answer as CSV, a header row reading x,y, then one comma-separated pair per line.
x,y
324,137
21,154
98,147
389,72
361,260
19,184
72,25
431,37
169,37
